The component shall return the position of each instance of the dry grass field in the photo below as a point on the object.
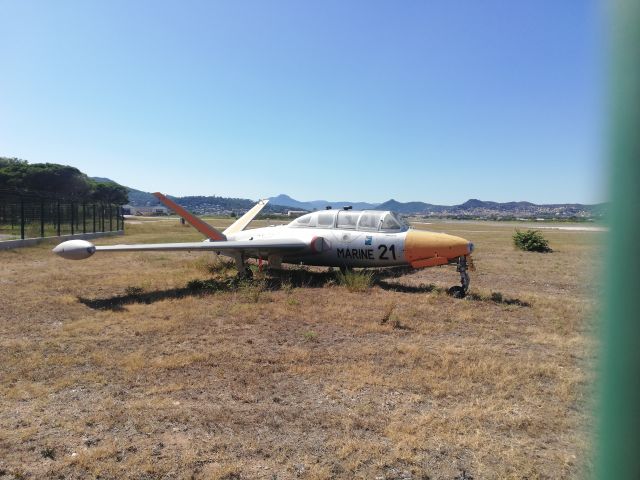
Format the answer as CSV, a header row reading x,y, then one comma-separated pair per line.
x,y
158,365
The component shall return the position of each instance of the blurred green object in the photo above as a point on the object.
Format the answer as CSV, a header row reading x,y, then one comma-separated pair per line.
x,y
618,438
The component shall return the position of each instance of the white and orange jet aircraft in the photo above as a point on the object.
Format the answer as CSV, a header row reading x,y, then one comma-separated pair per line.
x,y
334,238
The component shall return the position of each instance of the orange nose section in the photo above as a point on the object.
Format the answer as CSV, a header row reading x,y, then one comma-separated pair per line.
x,y
427,249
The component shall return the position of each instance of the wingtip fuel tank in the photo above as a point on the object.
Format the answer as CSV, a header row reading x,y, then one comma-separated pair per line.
x,y
75,249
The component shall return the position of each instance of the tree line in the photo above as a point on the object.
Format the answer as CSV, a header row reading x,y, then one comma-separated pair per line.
x,y
59,181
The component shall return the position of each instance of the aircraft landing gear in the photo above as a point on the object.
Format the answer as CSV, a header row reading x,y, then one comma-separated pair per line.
x,y
244,272
462,268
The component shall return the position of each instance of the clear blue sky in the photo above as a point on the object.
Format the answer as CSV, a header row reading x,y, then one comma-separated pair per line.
x,y
362,100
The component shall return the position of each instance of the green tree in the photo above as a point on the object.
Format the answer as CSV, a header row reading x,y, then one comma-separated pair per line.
x,y
110,193
59,180
62,181
48,178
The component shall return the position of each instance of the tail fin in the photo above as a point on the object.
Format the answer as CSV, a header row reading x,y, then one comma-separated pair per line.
x,y
201,226
244,220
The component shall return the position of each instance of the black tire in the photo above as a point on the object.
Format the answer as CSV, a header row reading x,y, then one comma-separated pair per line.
x,y
456,292
246,274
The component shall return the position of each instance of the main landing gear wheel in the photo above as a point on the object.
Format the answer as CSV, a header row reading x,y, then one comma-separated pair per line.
x,y
456,292
462,268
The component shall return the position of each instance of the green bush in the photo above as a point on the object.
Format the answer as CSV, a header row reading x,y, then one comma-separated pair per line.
x,y
531,241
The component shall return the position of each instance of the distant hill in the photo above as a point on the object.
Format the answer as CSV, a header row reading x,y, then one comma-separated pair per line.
x,y
137,198
408,207
474,208
223,205
287,201
198,204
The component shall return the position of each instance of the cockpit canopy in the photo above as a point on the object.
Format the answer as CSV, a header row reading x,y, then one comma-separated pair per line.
x,y
366,220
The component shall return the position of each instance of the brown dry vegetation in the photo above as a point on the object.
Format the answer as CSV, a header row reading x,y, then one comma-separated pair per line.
x,y
123,366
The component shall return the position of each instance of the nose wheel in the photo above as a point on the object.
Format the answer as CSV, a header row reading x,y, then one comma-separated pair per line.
x,y
462,268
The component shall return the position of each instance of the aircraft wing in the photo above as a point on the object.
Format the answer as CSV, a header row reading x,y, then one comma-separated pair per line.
x,y
80,249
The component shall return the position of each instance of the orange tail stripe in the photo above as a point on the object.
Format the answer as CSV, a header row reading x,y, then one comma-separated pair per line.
x,y
198,224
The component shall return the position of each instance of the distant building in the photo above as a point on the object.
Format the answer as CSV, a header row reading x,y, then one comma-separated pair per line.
x,y
145,211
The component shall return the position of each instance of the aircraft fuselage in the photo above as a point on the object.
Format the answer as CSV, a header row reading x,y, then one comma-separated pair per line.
x,y
352,248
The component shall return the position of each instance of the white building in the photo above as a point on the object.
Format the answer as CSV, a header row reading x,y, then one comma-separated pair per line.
x,y
145,211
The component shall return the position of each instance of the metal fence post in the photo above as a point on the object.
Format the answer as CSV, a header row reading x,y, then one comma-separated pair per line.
x,y
72,219
84,218
110,218
22,219
58,217
94,218
42,217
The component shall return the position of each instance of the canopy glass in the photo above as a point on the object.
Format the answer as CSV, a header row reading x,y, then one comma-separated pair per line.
x,y
367,220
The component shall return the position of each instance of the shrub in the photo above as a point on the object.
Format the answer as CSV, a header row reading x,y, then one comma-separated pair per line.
x,y
355,281
531,241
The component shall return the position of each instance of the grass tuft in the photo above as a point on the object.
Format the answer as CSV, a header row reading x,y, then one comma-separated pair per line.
x,y
355,281
133,291
251,290
49,453
310,336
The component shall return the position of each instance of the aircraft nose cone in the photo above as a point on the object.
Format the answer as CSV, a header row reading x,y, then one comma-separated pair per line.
x,y
424,249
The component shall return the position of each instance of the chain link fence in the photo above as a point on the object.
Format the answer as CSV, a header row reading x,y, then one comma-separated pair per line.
x,y
30,215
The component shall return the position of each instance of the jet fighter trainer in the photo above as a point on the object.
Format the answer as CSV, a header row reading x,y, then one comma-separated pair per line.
x,y
334,238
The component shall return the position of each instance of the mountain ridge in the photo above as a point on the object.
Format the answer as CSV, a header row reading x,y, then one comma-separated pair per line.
x,y
285,200
472,208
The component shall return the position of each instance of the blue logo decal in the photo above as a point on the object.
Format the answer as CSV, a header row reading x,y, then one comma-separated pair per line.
x,y
367,240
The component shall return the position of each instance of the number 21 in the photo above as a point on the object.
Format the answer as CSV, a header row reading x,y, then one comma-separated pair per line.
x,y
383,255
